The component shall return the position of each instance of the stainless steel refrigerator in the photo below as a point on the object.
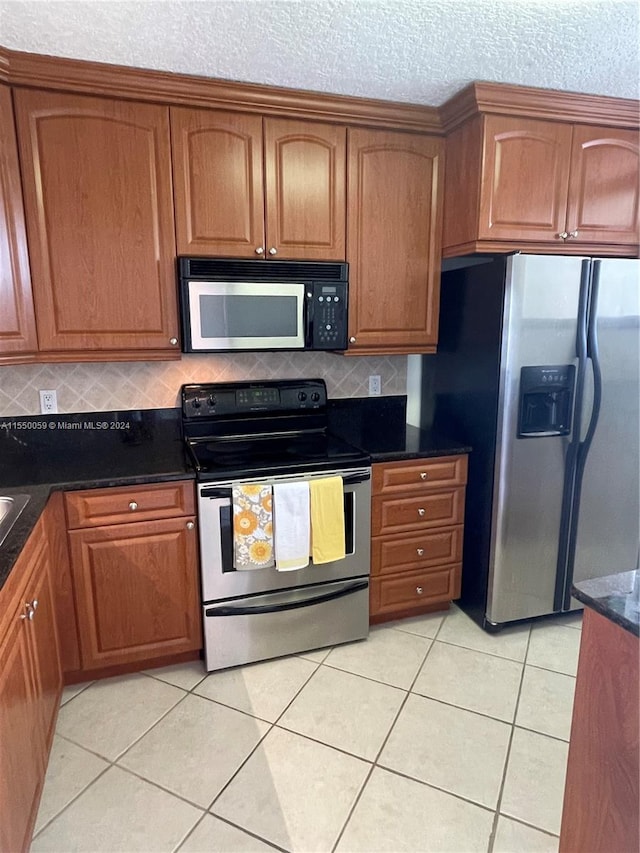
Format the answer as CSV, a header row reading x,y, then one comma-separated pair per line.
x,y
538,369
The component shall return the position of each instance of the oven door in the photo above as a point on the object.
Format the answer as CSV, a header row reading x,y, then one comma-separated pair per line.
x,y
228,315
221,581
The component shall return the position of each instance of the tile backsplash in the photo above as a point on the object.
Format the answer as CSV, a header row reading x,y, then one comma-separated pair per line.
x,y
89,387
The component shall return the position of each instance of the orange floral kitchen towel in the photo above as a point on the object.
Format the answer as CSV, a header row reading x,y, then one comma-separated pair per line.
x,y
253,526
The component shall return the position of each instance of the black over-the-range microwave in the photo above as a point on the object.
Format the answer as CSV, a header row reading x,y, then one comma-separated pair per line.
x,y
228,304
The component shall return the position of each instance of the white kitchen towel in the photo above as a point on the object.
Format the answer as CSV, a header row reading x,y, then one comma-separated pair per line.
x,y
252,526
291,525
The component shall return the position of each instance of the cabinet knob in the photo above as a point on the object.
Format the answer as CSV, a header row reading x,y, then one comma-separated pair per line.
x,y
573,234
420,551
419,590
562,235
173,342
31,611
260,250
34,604
421,511
352,340
273,251
423,475
190,525
133,506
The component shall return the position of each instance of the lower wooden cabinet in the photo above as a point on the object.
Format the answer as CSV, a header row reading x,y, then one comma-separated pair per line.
x,y
30,689
416,523
135,583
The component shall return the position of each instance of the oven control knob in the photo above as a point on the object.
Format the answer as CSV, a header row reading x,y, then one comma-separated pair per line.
x,y
196,403
315,396
212,400
302,396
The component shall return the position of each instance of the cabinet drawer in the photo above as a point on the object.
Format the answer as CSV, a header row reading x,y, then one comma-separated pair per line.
x,y
436,509
420,551
420,475
98,507
397,593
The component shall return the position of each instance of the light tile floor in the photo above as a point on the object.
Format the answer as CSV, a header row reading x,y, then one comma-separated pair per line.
x,y
429,736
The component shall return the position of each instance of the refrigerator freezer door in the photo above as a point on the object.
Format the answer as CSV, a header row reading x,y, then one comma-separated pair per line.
x,y
609,503
539,327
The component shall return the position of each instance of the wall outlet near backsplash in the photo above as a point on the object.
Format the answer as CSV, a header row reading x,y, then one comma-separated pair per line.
x,y
116,386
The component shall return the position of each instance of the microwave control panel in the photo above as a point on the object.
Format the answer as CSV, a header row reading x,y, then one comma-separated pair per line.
x,y
328,314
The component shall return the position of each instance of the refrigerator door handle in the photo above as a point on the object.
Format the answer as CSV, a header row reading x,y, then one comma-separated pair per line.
x,y
593,356
571,458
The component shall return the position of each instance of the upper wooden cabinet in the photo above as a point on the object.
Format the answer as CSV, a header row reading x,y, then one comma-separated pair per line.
x,y
97,190
251,187
393,238
17,321
516,181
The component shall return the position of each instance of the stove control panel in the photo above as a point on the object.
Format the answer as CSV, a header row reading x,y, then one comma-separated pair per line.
x,y
225,399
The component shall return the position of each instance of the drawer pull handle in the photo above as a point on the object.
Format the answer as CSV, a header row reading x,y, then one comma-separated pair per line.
x,y
423,475
420,551
419,590
133,506
421,511
190,525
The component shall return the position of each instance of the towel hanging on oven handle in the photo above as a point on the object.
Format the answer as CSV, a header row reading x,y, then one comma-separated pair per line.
x,y
225,491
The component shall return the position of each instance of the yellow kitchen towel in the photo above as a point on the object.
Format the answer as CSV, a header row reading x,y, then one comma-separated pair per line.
x,y
291,525
252,526
327,520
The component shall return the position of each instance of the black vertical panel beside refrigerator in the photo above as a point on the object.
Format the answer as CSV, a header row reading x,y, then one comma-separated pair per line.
x,y
538,368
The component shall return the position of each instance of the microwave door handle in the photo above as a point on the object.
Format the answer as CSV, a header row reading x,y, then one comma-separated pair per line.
x,y
307,314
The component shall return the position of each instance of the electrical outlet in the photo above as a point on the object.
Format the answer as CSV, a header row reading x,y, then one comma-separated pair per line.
x,y
48,402
375,386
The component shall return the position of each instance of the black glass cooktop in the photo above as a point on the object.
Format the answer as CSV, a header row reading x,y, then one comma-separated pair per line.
x,y
232,457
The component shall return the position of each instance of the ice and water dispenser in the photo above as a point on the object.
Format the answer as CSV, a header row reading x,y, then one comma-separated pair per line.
x,y
546,400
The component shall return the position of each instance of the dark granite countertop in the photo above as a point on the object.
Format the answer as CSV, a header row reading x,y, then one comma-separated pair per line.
x,y
615,596
39,454
377,426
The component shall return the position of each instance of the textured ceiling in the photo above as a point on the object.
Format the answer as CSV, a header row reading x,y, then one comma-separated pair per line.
x,y
406,50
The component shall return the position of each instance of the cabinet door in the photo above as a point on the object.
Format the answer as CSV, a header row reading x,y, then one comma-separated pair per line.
x,y
17,322
97,188
525,179
604,186
218,182
45,650
305,175
21,751
137,591
394,218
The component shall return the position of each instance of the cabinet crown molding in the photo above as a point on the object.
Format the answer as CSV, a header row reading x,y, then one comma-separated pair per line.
x,y
534,103
117,81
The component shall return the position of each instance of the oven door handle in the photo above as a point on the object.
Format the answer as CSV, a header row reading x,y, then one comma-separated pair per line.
x,y
224,491
230,610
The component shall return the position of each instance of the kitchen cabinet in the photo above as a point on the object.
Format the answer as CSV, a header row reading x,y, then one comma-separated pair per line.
x,y
134,565
258,188
96,178
417,520
518,181
394,220
600,811
30,688
17,319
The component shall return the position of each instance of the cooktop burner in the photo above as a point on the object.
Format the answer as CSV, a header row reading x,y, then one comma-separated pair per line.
x,y
242,429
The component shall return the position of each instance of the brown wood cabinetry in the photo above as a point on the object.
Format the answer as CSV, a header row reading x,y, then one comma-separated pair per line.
x,y
416,524
17,320
97,189
393,238
135,581
30,688
543,185
252,187
601,811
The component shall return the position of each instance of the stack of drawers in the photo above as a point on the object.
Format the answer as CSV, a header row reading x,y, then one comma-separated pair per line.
x,y
416,526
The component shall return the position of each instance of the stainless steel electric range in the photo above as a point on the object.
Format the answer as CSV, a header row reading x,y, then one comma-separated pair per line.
x,y
266,433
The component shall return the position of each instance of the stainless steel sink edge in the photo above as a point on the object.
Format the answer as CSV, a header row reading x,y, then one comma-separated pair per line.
x,y
10,508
